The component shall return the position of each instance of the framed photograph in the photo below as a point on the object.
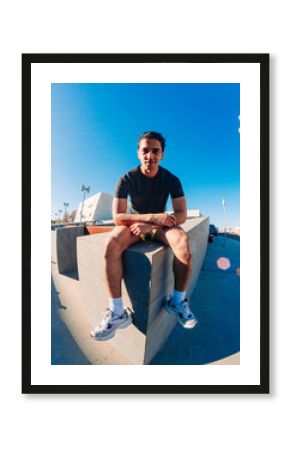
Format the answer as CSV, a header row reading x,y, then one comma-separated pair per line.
x,y
145,223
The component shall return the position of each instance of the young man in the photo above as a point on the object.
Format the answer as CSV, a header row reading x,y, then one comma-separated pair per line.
x,y
148,186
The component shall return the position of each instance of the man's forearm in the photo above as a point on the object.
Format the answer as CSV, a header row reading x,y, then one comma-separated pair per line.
x,y
158,220
129,219
180,216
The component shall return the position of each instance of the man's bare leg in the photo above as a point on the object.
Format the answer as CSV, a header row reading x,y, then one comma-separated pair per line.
x,y
115,317
120,239
177,239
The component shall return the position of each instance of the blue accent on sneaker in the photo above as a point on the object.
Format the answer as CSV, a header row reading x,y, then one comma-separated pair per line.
x,y
183,313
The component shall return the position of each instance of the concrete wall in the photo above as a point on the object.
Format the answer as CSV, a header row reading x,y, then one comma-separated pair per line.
x,y
65,247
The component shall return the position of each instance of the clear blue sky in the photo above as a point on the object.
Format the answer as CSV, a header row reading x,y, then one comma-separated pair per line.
x,y
95,128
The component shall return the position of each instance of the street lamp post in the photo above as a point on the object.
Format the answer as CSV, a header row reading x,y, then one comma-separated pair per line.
x,y
84,189
65,206
59,213
225,220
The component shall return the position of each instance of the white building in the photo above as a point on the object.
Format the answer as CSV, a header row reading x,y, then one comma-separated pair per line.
x,y
96,207
193,213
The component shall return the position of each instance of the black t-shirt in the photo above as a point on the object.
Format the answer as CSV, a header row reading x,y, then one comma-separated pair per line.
x,y
148,195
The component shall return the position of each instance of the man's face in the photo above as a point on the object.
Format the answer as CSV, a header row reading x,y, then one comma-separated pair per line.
x,y
150,154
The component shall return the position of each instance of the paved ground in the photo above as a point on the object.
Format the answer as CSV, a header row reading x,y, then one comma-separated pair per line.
x,y
64,349
215,301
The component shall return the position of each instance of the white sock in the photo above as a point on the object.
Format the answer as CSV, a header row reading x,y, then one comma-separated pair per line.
x,y
116,306
178,296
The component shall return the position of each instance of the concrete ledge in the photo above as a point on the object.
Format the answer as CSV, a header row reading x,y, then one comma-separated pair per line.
x,y
148,280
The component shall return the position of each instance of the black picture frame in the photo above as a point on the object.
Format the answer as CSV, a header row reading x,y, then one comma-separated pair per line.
x,y
263,61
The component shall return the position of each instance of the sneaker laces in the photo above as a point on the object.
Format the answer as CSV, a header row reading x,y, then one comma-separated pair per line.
x,y
186,312
107,316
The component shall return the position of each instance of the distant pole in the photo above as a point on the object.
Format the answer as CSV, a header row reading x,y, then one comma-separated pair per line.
x,y
59,213
65,206
84,189
55,215
225,220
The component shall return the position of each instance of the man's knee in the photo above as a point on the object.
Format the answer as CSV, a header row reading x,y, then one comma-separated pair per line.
x,y
182,249
115,245
112,247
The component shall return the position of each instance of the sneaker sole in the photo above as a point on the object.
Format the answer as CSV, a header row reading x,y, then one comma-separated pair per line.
x,y
112,334
189,324
103,338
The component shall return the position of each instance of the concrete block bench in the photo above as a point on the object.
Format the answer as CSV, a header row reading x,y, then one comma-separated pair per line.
x,y
148,280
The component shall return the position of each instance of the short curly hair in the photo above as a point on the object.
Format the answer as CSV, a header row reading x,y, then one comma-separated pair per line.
x,y
153,135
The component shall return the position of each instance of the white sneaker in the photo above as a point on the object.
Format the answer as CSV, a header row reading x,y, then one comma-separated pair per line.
x,y
108,326
183,313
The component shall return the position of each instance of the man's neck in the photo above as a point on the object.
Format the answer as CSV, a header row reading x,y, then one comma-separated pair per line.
x,y
149,173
